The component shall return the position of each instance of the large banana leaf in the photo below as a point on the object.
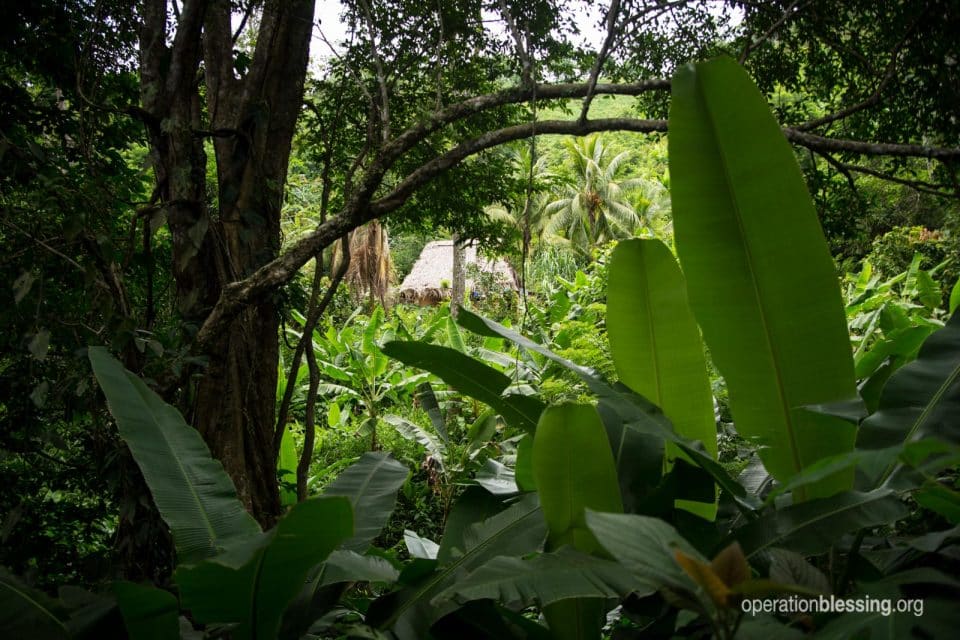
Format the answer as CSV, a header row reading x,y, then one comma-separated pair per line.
x,y
626,415
193,493
813,527
251,584
921,399
28,613
371,485
655,343
574,470
761,281
470,377
646,547
544,579
148,613
410,612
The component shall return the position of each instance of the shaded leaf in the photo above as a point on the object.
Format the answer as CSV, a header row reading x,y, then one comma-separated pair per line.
x,y
371,486
193,493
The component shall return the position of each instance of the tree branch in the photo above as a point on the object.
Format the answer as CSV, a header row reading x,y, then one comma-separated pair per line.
x,y
523,50
451,158
789,12
612,14
381,75
361,207
821,143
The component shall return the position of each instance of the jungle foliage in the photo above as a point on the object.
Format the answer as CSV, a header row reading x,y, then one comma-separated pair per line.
x,y
608,515
725,378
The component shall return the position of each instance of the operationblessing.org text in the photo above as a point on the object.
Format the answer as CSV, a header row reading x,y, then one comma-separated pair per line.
x,y
832,604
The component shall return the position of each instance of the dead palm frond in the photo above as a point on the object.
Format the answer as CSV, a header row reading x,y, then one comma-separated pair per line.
x,y
370,272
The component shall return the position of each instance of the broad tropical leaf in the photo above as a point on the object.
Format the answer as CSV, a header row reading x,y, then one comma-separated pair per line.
x,y
813,527
371,486
621,409
515,531
921,399
28,613
761,281
252,583
544,579
148,613
428,400
349,566
574,471
470,377
646,547
191,490
655,343
415,433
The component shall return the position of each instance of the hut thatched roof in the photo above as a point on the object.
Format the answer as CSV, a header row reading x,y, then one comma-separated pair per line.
x,y
435,265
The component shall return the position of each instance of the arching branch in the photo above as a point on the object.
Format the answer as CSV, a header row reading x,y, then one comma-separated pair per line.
x,y
362,207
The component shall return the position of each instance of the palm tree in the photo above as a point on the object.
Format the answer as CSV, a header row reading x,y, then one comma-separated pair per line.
x,y
595,207
525,215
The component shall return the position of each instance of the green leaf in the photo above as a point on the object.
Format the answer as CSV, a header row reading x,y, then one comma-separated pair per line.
x,y
371,485
415,433
287,468
921,399
655,344
515,531
574,470
523,470
428,400
252,583
497,478
193,493
633,411
148,613
544,579
28,613
646,547
474,505
813,527
940,499
761,281
349,566
420,547
482,431
955,297
470,377
453,335
791,568
368,341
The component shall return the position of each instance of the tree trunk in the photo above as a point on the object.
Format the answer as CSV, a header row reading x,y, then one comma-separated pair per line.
x,y
459,284
251,120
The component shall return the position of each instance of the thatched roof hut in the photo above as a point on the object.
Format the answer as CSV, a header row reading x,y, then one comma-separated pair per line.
x,y
434,268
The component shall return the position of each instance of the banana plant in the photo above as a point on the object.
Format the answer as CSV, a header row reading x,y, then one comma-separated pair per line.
x,y
760,279
356,371
889,320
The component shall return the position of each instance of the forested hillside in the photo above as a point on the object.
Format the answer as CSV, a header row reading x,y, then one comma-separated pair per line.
x,y
479,319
